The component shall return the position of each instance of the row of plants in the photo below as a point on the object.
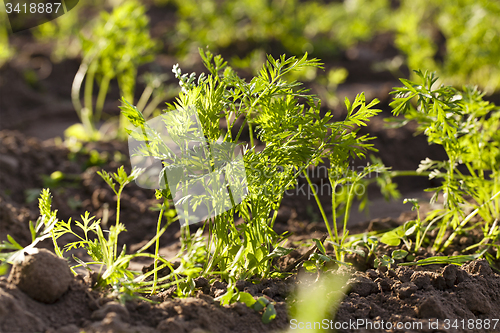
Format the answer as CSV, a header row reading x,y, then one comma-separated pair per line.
x,y
116,41
286,119
429,35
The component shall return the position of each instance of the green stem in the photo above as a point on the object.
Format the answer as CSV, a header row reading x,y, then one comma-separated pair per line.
x,y
241,130
89,87
346,215
320,206
466,220
148,110
118,196
334,218
402,173
56,247
101,97
157,249
144,98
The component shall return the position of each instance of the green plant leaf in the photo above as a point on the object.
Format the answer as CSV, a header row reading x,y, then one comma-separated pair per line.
x,y
260,304
269,314
246,298
391,238
320,246
399,254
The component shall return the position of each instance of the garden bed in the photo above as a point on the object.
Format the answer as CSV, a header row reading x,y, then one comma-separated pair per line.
x,y
398,295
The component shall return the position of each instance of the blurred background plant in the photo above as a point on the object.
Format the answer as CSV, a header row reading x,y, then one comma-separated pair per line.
x,y
118,43
458,40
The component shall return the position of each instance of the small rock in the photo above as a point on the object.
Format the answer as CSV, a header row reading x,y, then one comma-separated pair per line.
x,y
42,275
406,289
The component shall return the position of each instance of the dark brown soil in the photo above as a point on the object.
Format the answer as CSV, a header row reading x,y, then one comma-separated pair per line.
x,y
82,308
429,295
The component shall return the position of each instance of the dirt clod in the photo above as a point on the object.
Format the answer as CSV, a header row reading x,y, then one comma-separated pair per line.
x,y
480,267
421,279
431,307
362,286
14,315
406,289
404,273
42,276
475,299
111,307
450,275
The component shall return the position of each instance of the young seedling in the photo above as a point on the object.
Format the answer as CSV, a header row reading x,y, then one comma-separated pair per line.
x,y
43,228
387,261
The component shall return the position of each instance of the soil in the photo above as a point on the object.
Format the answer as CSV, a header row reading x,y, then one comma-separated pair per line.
x,y
401,294
429,295
34,112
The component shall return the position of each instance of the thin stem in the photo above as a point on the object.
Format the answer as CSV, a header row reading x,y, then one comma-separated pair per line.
x,y
402,173
320,206
56,246
101,97
157,249
334,218
466,220
89,87
148,110
241,130
250,129
144,98
347,210
118,195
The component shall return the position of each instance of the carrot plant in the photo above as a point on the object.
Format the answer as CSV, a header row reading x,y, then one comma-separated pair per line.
x,y
286,120
42,229
468,129
117,44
